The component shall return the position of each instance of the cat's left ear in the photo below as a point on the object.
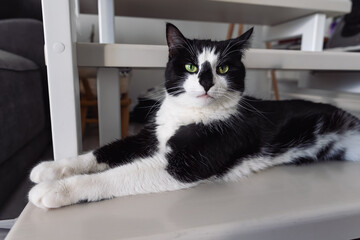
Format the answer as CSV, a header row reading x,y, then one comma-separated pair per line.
x,y
243,40
174,38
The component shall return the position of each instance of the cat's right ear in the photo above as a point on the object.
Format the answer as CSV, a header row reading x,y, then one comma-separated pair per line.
x,y
175,39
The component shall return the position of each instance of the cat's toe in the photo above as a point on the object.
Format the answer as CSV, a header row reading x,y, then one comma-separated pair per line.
x,y
47,195
38,173
49,171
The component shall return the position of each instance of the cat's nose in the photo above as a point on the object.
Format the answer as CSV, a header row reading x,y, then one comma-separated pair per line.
x,y
207,84
206,76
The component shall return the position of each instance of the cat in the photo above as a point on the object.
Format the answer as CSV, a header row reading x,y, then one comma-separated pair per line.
x,y
206,129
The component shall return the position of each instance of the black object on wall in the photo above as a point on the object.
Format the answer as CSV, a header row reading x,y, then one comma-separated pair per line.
x,y
347,30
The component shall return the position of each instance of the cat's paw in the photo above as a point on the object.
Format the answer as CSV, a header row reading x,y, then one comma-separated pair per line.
x,y
48,195
51,170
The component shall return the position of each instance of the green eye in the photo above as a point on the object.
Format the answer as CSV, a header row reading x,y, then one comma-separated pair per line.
x,y
191,68
223,69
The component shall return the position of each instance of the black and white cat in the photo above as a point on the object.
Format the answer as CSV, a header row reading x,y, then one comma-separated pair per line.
x,y
204,130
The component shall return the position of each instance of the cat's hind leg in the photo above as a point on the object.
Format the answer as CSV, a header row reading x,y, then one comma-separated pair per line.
x,y
349,146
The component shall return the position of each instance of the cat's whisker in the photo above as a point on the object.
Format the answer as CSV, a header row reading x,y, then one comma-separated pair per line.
x,y
192,48
261,114
187,48
226,53
227,47
244,101
153,106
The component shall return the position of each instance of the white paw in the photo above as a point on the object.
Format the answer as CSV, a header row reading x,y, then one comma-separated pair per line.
x,y
51,170
53,194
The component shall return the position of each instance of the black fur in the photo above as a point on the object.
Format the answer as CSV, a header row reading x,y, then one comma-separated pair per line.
x,y
125,151
206,76
265,128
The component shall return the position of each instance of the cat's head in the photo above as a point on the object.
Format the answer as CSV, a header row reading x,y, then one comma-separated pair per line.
x,y
201,72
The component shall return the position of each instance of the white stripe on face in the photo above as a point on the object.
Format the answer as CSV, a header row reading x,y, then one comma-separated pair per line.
x,y
192,86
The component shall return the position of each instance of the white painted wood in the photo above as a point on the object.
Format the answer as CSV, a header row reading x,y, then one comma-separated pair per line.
x,y
262,12
345,49
339,97
60,53
122,55
108,88
106,21
155,56
323,5
313,202
108,81
77,8
313,35
311,29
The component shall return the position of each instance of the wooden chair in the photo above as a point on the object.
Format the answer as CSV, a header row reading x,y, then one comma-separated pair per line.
x,y
89,112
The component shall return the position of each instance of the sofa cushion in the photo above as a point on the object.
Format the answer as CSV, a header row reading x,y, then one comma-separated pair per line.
x,y
22,114
12,62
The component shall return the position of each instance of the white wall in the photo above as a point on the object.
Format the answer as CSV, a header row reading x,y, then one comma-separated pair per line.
x,y
152,31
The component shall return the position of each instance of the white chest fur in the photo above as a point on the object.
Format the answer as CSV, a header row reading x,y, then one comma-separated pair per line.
x,y
173,114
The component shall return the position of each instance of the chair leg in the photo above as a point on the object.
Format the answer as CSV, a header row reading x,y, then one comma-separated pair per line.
x,y
275,84
84,111
125,114
273,78
240,29
230,30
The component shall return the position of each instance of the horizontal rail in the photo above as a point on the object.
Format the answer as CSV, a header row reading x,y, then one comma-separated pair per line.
x,y
262,12
156,56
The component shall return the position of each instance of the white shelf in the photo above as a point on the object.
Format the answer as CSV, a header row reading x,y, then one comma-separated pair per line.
x,y
319,201
237,11
355,48
156,56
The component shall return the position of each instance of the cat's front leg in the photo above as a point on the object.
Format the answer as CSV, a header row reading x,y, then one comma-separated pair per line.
x,y
114,154
142,176
54,170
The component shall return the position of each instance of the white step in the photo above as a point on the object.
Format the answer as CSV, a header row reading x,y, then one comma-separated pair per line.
x,y
263,12
156,56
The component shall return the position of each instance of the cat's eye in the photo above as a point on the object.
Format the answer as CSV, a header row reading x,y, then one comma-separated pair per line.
x,y
191,68
223,69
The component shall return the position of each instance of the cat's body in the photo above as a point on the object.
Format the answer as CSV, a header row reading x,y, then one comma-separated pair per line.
x,y
204,130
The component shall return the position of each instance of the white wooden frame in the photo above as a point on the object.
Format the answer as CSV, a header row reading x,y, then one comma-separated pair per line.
x,y
108,84
311,29
61,60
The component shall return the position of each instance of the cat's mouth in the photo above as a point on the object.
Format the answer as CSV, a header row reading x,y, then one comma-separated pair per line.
x,y
205,96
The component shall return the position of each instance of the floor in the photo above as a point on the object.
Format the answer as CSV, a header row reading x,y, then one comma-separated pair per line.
x,y
18,200
13,207
3,233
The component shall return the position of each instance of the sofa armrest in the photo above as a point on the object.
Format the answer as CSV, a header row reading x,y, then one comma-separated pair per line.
x,y
23,37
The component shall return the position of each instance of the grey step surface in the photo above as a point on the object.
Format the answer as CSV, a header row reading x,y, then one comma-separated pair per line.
x,y
319,201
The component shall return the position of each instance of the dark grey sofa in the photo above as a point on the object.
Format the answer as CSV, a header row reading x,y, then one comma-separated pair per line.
x,y
24,115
